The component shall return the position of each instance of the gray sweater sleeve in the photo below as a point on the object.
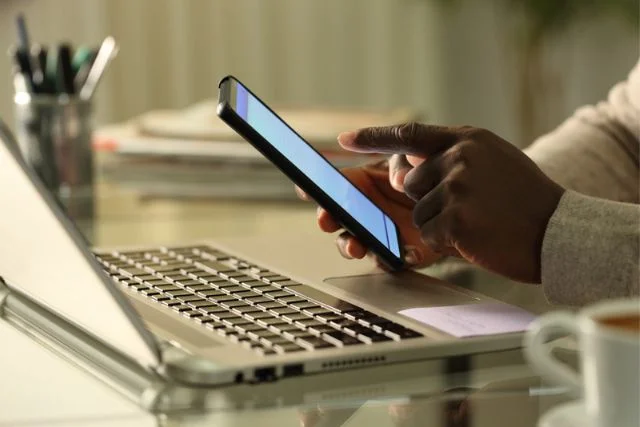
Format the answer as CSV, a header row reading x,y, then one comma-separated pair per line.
x,y
591,247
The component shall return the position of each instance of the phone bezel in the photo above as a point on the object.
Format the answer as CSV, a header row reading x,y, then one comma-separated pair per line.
x,y
226,111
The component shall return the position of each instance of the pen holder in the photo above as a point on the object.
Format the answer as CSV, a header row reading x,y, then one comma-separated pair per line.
x,y
54,136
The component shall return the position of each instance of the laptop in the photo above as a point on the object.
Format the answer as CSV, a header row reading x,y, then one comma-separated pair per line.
x,y
204,314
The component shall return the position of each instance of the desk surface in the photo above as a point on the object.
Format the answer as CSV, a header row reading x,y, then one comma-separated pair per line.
x,y
40,388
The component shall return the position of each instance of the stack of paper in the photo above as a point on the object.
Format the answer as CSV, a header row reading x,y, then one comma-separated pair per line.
x,y
192,153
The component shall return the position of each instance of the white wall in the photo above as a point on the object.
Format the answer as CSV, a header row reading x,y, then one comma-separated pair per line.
x,y
456,65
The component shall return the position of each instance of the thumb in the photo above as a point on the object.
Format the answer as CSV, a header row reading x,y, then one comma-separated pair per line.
x,y
410,138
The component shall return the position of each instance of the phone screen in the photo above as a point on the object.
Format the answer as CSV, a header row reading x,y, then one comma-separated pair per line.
x,y
316,168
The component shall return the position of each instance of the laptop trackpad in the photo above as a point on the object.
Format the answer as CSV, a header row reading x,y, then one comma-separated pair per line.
x,y
395,292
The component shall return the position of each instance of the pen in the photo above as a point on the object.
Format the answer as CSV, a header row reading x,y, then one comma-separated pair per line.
x,y
82,62
23,63
23,34
39,64
105,54
65,70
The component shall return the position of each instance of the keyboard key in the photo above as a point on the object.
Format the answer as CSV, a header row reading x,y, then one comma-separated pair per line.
x,y
215,325
189,298
201,303
320,329
160,297
278,294
313,343
246,309
234,321
287,348
146,277
197,288
257,300
264,333
316,310
291,299
399,332
277,340
266,288
340,339
284,327
191,314
213,266
269,321
296,333
234,289
341,323
171,302
149,292
306,323
175,277
183,283
355,329
178,293
372,338
213,293
294,316
323,298
301,305
285,283
213,309
167,287
233,303
328,317
224,315
269,304
258,315
248,327
282,310
181,307
131,272
245,294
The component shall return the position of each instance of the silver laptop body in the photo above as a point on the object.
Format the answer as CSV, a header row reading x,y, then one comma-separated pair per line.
x,y
89,309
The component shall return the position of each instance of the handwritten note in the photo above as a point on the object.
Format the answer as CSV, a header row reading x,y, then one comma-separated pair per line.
x,y
472,320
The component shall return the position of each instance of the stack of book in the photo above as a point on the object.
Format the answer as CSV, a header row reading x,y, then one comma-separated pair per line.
x,y
191,153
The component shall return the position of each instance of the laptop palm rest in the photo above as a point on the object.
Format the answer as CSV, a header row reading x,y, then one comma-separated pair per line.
x,y
395,292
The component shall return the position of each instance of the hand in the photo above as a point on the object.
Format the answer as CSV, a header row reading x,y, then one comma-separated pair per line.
x,y
374,181
478,197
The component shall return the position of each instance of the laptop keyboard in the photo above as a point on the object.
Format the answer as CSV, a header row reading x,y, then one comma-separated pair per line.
x,y
247,304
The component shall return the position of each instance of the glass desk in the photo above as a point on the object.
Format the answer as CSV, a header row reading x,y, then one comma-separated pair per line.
x,y
492,390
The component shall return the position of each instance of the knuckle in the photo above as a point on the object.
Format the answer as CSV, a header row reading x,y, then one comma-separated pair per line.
x,y
455,223
407,132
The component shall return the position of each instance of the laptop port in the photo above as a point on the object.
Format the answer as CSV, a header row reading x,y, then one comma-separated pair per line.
x,y
293,370
265,374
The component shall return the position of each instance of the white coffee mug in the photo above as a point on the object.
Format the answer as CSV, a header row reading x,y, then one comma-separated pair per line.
x,y
610,359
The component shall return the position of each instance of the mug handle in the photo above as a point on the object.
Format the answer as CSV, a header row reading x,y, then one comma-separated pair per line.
x,y
539,353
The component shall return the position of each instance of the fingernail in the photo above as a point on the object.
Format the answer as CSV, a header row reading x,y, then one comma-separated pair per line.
x,y
346,137
412,256
398,180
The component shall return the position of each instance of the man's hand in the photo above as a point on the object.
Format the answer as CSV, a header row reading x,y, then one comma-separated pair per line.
x,y
477,196
375,181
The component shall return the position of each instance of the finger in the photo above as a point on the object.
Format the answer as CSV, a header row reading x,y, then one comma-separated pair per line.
x,y
301,194
433,234
349,247
326,221
409,138
398,169
429,206
424,178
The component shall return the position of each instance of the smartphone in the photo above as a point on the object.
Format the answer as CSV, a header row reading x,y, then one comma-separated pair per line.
x,y
252,119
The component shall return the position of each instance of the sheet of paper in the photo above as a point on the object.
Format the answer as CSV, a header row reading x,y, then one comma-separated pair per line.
x,y
471,320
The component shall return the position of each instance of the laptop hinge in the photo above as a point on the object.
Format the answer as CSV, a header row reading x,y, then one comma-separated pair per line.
x,y
4,292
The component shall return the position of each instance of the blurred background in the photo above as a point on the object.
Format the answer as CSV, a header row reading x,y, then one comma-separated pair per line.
x,y
517,67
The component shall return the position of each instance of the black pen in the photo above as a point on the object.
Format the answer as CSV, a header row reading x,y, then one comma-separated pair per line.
x,y
64,73
23,66
23,34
